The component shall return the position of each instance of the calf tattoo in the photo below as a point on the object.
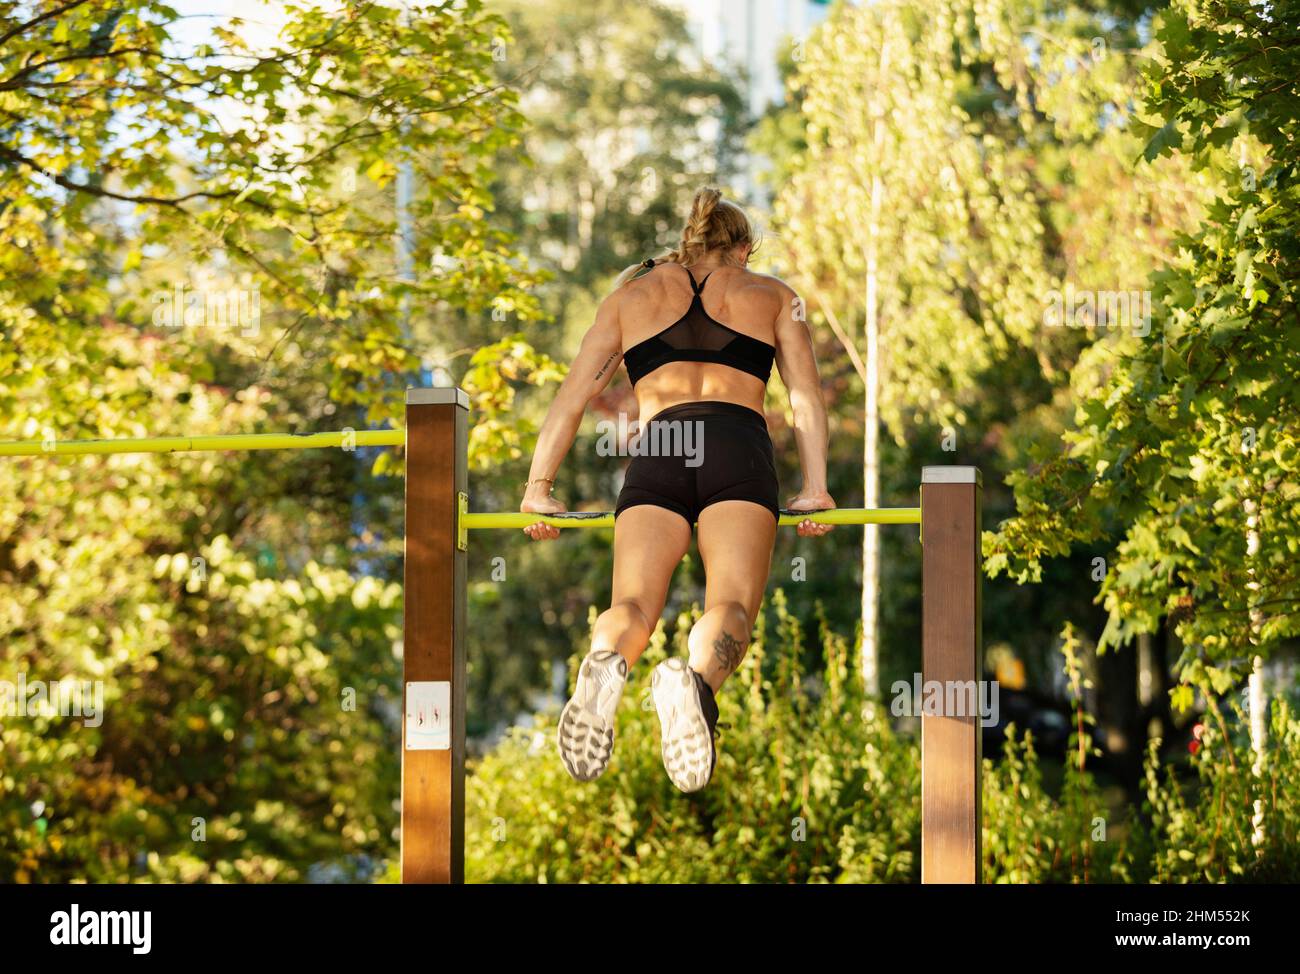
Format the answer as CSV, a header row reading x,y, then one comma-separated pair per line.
x,y
728,651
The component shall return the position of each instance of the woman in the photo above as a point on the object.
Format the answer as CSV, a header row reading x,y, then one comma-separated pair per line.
x,y
699,334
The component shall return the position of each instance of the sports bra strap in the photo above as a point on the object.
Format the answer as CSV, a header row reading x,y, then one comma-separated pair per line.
x,y
696,288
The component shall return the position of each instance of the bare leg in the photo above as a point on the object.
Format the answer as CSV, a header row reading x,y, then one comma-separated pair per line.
x,y
736,540
649,543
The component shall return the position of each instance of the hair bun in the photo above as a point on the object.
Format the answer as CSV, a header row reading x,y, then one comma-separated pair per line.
x,y
702,207
714,224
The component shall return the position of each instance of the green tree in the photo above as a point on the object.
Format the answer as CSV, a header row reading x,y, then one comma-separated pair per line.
x,y
624,124
1192,431
273,156
902,215
1183,456
251,698
1036,99
245,685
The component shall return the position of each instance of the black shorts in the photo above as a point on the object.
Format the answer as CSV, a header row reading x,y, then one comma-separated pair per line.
x,y
707,452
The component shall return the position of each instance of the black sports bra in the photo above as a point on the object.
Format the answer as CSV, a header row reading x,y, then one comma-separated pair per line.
x,y
695,337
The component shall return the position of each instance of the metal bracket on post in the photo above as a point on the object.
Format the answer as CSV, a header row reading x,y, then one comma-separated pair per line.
x,y
462,532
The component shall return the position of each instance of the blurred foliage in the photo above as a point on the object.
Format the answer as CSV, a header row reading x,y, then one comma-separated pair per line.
x,y
999,168
1182,457
269,155
249,680
625,122
899,190
814,786
1031,836
1003,137
143,175
1209,835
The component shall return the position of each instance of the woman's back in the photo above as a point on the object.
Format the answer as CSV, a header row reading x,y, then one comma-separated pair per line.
x,y
743,303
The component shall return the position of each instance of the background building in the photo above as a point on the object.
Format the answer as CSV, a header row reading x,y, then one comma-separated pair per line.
x,y
746,37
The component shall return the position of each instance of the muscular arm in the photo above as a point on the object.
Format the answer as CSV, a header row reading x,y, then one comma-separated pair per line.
x,y
597,360
797,364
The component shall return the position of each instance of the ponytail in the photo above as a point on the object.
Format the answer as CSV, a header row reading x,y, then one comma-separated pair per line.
x,y
714,224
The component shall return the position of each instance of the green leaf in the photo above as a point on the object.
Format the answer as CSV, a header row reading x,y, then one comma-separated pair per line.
x,y
1166,140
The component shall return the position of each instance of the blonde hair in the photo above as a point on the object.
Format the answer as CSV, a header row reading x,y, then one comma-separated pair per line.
x,y
713,224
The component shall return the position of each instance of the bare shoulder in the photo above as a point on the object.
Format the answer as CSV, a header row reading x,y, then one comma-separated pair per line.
x,y
758,295
769,284
640,290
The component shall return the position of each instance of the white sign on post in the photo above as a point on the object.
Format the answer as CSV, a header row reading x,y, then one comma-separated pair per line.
x,y
428,715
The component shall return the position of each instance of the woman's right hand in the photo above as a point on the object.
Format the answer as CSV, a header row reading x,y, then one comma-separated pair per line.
x,y
542,504
812,501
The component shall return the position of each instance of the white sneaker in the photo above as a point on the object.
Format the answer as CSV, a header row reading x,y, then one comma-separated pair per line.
x,y
686,733
586,731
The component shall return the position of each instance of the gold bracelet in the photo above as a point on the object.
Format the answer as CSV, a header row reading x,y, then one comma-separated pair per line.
x,y
535,479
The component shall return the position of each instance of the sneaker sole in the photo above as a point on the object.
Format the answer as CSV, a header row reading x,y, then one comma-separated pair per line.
x,y
585,736
685,741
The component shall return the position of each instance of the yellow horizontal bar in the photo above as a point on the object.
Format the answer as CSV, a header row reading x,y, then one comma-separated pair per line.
x,y
605,519
190,444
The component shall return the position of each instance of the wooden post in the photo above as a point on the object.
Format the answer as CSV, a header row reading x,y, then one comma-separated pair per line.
x,y
433,659
951,655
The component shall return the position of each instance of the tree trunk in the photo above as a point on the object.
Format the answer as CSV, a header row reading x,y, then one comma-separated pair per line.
x,y
1120,716
1258,699
1258,742
871,498
1146,670
871,412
